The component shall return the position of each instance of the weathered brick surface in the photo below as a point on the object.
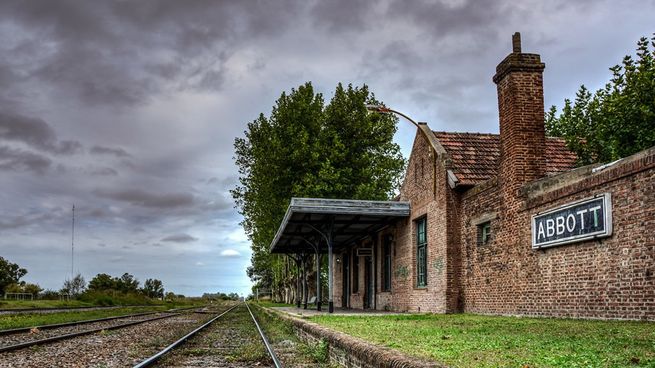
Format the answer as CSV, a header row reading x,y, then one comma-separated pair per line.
x,y
430,200
606,278
350,351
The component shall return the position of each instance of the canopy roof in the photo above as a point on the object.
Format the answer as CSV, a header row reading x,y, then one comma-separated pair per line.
x,y
310,220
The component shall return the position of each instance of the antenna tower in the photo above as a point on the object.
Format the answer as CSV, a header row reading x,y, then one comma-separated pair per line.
x,y
73,243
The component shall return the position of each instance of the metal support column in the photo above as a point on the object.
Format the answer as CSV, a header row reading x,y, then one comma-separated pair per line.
x,y
298,280
305,289
319,295
376,243
330,268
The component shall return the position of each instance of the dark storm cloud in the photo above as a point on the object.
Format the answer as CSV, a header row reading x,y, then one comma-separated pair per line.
x,y
35,133
342,15
179,238
138,197
449,17
97,213
114,151
19,160
123,53
102,171
28,219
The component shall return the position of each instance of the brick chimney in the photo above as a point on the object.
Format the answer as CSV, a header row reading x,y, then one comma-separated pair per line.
x,y
519,81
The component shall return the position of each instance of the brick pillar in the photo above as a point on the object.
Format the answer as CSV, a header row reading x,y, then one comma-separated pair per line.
x,y
519,80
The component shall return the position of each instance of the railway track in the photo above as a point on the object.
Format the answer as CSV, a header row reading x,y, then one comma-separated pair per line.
x,y
99,344
57,310
231,336
21,338
14,331
219,346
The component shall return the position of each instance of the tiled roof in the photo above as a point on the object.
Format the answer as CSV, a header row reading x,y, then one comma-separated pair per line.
x,y
475,155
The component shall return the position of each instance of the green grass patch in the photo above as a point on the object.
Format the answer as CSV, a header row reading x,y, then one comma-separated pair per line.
x,y
266,303
19,304
465,340
35,319
281,335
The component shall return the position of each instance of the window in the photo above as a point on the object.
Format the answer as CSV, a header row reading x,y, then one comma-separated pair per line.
x,y
355,273
386,266
484,233
421,253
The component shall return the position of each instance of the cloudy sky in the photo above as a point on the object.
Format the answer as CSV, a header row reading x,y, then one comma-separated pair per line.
x,y
129,109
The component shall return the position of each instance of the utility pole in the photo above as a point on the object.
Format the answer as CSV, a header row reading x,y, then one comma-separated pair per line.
x,y
73,244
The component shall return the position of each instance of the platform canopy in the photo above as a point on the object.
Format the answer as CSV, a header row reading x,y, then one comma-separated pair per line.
x,y
312,220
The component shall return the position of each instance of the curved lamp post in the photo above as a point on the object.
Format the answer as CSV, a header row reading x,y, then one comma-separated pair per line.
x,y
432,141
386,110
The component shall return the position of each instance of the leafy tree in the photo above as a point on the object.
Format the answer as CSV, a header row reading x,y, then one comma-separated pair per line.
x,y
101,282
153,288
74,286
49,294
127,283
33,289
616,121
10,273
24,287
308,149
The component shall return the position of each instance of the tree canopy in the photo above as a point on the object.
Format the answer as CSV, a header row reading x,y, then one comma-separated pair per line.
x,y
615,121
306,148
153,288
126,283
10,273
74,286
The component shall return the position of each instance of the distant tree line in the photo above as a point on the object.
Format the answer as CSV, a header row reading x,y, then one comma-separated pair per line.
x,y
109,289
127,283
220,296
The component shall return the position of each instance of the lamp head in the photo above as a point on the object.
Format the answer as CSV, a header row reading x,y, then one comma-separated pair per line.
x,y
377,108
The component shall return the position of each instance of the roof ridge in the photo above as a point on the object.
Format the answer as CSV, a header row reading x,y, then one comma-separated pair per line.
x,y
464,133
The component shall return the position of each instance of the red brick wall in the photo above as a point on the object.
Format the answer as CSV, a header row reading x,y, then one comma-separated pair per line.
x,y
419,189
606,278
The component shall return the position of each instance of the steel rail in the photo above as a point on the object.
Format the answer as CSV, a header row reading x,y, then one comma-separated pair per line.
x,y
150,361
10,311
59,309
265,340
76,334
67,309
18,330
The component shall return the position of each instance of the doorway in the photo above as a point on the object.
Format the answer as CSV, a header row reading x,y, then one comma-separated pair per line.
x,y
368,283
345,295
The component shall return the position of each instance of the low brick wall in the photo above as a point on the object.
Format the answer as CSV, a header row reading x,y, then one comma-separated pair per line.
x,y
351,351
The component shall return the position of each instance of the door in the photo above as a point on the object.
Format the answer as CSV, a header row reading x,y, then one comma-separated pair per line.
x,y
368,283
345,296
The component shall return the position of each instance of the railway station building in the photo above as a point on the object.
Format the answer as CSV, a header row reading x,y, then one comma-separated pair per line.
x,y
492,223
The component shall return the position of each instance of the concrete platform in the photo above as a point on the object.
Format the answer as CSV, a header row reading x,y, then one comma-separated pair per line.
x,y
300,312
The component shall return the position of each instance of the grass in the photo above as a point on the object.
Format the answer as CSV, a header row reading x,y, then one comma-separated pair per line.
x,y
464,340
17,304
267,303
34,319
279,331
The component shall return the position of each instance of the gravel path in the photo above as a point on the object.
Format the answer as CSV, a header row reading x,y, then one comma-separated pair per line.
x,y
117,348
